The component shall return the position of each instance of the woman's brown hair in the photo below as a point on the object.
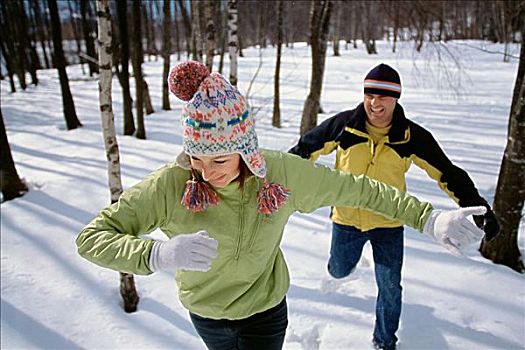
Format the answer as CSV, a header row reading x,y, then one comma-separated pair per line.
x,y
244,173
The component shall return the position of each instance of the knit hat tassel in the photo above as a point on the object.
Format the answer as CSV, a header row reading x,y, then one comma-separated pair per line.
x,y
198,196
271,197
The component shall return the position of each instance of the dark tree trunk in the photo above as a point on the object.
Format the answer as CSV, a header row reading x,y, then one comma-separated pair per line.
x,y
29,38
148,106
223,33
196,36
42,34
261,27
13,45
152,44
122,14
70,114
187,25
510,191
166,50
88,37
369,25
49,35
319,20
276,118
137,69
210,33
20,30
12,185
76,34
338,7
7,59
177,32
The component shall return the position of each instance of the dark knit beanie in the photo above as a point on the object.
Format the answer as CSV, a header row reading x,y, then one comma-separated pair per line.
x,y
383,80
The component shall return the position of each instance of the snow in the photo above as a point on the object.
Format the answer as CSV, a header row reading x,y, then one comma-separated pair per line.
x,y
53,299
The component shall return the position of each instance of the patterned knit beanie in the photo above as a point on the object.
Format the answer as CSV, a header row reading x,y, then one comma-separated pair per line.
x,y
383,80
217,120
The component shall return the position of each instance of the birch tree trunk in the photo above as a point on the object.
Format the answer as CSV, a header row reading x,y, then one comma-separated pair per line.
x,y
127,284
70,114
319,20
12,185
276,118
233,43
510,191
210,33
166,50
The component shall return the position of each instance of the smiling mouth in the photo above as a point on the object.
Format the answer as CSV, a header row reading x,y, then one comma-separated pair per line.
x,y
377,110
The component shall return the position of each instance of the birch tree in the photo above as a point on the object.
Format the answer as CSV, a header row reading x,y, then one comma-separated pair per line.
x,y
233,44
127,284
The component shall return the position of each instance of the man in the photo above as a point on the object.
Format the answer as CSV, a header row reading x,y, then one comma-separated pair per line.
x,y
376,139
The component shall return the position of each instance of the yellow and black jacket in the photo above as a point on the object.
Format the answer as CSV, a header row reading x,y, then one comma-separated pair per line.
x,y
387,160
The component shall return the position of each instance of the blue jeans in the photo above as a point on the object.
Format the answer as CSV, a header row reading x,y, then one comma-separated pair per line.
x,y
387,246
262,331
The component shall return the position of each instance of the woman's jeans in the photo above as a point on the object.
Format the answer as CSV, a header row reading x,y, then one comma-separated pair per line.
x,y
264,331
387,246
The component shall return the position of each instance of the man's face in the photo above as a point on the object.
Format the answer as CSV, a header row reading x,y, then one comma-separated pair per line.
x,y
379,109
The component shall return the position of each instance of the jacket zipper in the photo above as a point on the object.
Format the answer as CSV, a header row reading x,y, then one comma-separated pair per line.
x,y
255,231
241,227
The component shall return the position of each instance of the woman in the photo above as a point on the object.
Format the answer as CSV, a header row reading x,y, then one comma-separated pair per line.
x,y
224,204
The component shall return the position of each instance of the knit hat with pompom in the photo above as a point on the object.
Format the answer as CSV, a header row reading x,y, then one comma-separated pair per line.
x,y
217,120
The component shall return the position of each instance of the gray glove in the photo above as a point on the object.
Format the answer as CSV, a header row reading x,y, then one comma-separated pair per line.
x,y
193,252
451,229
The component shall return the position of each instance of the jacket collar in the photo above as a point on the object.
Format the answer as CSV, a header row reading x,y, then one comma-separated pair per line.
x,y
398,132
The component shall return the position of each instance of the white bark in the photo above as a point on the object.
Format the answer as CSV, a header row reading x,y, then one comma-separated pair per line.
x,y
106,110
233,41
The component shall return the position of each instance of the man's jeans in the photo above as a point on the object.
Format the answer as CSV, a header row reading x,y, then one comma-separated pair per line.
x,y
262,331
387,246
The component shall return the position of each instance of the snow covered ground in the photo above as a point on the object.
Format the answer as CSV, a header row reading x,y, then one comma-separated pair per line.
x,y
53,299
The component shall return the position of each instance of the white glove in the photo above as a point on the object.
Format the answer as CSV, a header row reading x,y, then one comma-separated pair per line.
x,y
451,228
187,252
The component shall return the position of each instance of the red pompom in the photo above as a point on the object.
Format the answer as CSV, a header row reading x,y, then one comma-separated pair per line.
x,y
184,79
271,198
198,196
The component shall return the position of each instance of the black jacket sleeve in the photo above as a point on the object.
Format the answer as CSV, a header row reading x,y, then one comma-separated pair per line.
x,y
316,138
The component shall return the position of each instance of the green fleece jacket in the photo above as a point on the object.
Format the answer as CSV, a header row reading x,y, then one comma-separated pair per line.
x,y
249,274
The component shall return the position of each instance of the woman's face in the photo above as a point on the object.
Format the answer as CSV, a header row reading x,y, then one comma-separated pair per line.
x,y
219,171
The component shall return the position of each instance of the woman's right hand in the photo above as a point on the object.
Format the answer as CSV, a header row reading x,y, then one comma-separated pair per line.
x,y
194,252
